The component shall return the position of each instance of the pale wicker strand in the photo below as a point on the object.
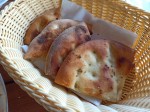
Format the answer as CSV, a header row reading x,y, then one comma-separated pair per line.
x,y
124,108
40,95
11,66
138,102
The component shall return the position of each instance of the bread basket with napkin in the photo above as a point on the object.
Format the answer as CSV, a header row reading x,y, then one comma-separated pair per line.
x,y
15,20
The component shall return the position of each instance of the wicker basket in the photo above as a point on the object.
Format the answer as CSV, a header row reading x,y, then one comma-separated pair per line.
x,y
16,18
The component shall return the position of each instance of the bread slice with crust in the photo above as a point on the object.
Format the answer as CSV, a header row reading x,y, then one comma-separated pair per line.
x,y
40,45
39,24
97,68
63,45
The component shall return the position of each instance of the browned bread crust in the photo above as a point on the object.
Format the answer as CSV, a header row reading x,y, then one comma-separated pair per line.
x,y
63,44
97,68
40,45
39,24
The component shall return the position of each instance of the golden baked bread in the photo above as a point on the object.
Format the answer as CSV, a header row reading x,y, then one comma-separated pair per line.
x,y
40,45
39,24
97,68
63,44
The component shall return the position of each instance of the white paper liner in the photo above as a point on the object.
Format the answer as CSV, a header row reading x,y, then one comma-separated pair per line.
x,y
103,28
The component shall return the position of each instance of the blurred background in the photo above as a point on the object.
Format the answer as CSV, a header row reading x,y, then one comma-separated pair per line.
x,y
142,4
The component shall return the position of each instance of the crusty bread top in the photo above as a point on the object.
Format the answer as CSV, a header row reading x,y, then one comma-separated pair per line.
x,y
63,44
40,45
39,24
97,68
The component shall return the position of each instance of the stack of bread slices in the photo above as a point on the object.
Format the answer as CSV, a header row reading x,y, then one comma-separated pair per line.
x,y
73,59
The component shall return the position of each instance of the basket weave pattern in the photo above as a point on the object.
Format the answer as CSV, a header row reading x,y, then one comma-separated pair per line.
x,y
16,18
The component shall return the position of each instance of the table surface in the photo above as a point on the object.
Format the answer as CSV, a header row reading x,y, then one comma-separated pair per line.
x,y
18,100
